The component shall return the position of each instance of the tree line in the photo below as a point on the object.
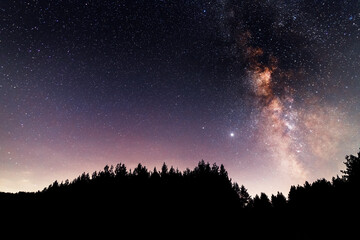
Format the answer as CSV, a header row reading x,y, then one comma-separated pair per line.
x,y
203,195
207,180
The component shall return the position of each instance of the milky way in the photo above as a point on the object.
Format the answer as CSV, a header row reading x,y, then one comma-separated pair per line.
x,y
267,88
277,118
288,130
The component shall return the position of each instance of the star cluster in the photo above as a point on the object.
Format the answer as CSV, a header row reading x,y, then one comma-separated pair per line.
x,y
267,88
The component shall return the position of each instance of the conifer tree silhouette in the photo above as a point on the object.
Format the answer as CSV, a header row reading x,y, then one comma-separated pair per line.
x,y
205,195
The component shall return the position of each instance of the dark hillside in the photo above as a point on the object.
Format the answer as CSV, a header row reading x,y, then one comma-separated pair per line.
x,y
201,201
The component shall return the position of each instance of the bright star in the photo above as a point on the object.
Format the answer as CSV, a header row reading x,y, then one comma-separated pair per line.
x,y
232,134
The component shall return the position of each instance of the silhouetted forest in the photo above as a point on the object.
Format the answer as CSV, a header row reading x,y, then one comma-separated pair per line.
x,y
203,200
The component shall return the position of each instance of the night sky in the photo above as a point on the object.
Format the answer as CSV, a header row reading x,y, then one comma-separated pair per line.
x,y
269,88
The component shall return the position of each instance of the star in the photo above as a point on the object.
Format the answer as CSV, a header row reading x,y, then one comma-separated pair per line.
x,y
144,82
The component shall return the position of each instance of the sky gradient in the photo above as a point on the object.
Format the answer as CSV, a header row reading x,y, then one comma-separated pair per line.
x,y
268,88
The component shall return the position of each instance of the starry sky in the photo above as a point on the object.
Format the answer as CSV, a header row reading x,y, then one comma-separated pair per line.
x,y
269,88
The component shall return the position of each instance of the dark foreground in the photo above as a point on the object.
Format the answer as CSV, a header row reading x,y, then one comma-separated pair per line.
x,y
203,202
